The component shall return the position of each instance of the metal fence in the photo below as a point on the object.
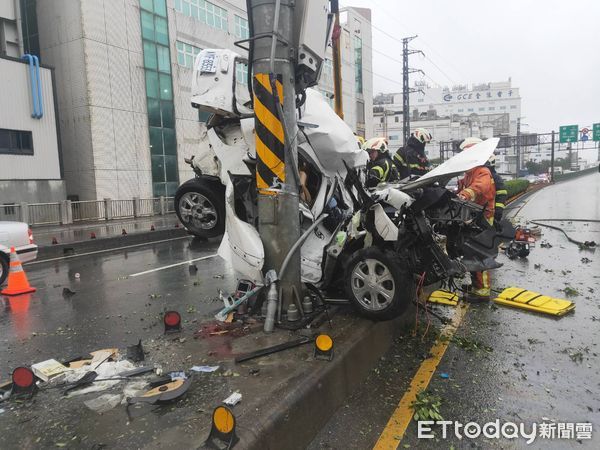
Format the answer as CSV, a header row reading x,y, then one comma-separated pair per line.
x,y
66,211
44,213
88,210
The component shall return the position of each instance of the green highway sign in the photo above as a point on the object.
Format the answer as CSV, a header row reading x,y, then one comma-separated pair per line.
x,y
596,130
569,133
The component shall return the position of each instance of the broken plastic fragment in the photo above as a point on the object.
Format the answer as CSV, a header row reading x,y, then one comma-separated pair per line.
x,y
103,403
206,369
178,376
233,399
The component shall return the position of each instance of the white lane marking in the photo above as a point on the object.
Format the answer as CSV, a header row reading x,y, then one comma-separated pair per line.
x,y
172,265
106,250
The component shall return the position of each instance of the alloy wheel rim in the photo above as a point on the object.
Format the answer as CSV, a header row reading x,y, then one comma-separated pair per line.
x,y
373,284
198,210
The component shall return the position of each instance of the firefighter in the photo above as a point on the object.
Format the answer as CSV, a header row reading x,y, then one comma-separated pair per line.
x,y
411,159
478,187
380,168
501,193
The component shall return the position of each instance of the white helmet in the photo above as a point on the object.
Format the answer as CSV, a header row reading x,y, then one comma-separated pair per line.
x,y
423,135
469,142
377,143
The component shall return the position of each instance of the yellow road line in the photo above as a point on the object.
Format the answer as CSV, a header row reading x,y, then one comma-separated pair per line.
x,y
396,427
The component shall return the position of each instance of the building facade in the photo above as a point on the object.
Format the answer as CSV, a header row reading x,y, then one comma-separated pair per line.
x,y
124,73
452,114
357,73
30,157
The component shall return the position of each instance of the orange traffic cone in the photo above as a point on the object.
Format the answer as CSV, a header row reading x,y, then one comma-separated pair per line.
x,y
17,280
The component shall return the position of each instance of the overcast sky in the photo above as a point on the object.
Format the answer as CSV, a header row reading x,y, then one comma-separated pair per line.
x,y
550,48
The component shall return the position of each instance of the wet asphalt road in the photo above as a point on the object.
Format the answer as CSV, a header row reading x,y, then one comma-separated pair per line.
x,y
538,368
526,367
110,307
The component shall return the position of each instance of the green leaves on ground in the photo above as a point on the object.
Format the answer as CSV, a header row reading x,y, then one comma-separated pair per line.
x,y
570,292
427,406
467,344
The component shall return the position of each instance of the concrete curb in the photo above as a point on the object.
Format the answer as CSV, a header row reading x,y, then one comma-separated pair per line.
x,y
296,416
108,243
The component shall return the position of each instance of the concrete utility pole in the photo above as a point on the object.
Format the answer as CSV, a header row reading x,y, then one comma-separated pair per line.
x,y
337,60
405,89
276,127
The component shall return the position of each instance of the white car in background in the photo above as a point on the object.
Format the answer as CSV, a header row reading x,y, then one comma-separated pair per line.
x,y
18,235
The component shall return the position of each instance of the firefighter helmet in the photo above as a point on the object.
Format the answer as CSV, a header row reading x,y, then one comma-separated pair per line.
x,y
423,135
469,142
377,143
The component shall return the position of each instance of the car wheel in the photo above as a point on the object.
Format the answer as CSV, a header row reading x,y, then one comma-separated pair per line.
x,y
378,285
3,267
201,209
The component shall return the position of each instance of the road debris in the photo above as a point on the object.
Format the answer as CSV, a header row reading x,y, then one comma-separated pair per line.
x,y
205,369
427,406
48,369
273,349
233,399
570,292
163,393
68,292
135,353
532,301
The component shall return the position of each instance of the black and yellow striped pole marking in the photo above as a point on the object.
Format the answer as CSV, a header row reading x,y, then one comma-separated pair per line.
x,y
270,137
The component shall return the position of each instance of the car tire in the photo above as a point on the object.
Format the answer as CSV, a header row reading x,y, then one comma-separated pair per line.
x,y
378,285
4,266
200,206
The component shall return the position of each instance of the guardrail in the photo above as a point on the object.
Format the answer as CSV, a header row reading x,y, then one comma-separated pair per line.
x,y
67,211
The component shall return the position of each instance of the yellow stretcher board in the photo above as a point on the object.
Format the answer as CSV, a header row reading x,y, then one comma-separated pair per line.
x,y
532,301
444,298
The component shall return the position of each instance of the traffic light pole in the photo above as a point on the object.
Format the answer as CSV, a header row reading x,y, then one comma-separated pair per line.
x,y
274,103
552,160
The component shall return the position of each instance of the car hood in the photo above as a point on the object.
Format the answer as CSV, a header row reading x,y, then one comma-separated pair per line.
x,y
331,139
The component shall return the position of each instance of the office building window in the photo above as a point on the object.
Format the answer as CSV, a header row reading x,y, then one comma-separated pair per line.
x,y
492,108
186,54
396,119
470,110
16,142
358,64
513,106
503,107
481,109
159,97
360,113
460,110
241,73
204,11
241,27
31,41
327,73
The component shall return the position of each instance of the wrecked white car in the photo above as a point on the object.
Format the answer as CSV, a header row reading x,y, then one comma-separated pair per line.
x,y
376,248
